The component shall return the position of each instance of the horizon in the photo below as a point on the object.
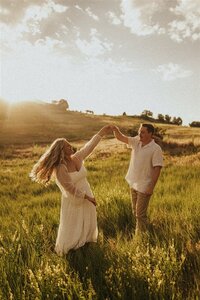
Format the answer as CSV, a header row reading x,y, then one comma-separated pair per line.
x,y
84,111
109,57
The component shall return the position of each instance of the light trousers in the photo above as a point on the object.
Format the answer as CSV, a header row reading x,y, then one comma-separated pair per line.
x,y
140,204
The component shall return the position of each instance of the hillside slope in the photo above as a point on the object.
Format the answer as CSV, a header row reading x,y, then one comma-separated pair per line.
x,y
38,123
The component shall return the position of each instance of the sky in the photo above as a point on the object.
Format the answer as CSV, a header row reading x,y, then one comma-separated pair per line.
x,y
106,56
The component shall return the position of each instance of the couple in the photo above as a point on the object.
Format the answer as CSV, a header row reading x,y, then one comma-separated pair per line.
x,y
78,219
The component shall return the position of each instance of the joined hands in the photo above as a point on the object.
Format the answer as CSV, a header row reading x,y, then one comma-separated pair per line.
x,y
108,129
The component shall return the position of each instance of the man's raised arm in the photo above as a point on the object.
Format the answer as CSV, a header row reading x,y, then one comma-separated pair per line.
x,y
121,137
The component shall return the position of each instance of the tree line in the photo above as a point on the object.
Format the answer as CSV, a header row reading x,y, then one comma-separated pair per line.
x,y
161,118
147,115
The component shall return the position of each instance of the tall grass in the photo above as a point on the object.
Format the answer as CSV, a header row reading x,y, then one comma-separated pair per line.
x,y
163,264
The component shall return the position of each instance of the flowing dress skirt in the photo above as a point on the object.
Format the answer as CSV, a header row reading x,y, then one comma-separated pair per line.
x,y
78,218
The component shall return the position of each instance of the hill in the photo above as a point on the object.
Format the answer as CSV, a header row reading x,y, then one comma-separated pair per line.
x,y
31,123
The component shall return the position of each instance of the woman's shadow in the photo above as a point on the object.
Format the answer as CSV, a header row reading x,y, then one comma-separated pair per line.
x,y
90,263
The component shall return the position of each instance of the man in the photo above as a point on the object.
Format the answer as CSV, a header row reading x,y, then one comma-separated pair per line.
x,y
144,170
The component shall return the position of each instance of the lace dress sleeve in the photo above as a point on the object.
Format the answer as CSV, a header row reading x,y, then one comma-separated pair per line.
x,y
62,175
88,147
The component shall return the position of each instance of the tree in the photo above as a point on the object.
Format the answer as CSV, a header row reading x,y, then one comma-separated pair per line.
x,y
177,121
161,118
167,118
63,104
147,113
195,124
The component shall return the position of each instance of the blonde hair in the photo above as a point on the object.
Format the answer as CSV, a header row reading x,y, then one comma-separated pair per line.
x,y
43,169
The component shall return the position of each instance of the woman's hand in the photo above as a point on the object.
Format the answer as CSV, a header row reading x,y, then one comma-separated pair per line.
x,y
105,130
91,199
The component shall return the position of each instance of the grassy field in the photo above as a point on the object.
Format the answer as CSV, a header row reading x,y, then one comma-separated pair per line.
x,y
164,264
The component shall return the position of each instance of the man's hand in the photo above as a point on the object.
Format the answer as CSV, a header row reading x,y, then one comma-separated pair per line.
x,y
149,191
117,133
155,174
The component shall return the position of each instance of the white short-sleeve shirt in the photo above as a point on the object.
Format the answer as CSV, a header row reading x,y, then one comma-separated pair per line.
x,y
143,159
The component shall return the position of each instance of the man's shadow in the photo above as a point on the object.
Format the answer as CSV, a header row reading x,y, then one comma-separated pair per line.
x,y
119,221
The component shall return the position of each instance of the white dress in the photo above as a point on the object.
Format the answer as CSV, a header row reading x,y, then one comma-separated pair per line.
x,y
78,218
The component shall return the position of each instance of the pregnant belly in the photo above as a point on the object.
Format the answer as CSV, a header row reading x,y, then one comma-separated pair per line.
x,y
83,185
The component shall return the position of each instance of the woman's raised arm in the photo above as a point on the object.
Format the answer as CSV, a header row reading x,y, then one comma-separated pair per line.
x,y
87,149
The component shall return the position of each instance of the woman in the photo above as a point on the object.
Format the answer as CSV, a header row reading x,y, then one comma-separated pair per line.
x,y
78,220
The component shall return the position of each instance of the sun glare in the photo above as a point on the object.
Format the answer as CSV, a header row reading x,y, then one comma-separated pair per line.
x,y
12,101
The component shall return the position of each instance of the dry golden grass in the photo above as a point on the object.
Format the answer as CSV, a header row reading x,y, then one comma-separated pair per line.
x,y
165,265
187,160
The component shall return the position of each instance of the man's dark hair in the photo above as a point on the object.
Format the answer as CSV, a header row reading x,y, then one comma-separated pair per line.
x,y
149,127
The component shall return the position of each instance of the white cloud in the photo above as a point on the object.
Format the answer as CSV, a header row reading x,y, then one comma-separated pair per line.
x,y
88,12
91,14
139,17
50,44
182,21
13,12
187,22
16,45
172,71
31,27
109,67
78,7
95,46
58,7
113,18
4,11
35,14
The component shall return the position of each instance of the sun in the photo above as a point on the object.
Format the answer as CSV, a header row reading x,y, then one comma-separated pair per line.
x,y
10,101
